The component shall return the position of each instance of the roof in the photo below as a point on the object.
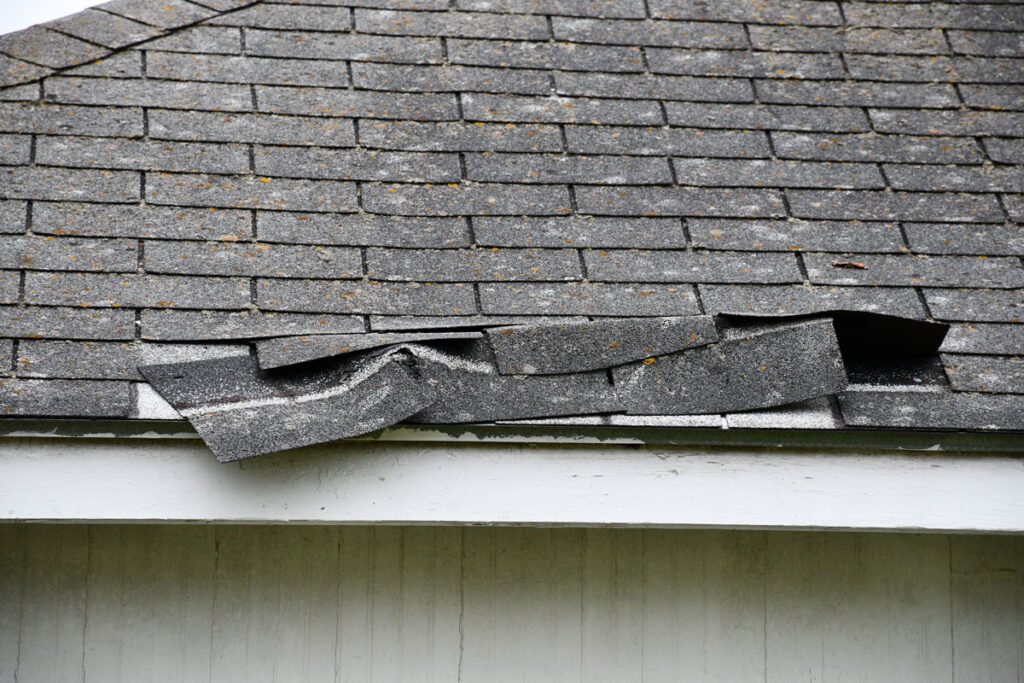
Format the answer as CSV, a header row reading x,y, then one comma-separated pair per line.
x,y
179,180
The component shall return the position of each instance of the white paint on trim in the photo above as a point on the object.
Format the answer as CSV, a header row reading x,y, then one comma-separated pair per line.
x,y
514,484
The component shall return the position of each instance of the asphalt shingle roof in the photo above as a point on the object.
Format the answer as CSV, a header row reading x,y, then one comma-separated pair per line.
x,y
180,178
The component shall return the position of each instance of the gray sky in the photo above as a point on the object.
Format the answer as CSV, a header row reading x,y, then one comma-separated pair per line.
x,y
19,14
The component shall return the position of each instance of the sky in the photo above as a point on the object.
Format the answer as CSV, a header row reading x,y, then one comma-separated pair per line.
x,y
19,14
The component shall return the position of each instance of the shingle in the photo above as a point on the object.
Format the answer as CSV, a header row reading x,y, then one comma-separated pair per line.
x,y
993,96
231,69
1009,44
289,18
911,206
461,24
802,299
148,93
6,357
268,129
964,69
931,410
989,374
18,117
579,231
362,230
927,41
1005,151
574,8
973,16
920,271
106,29
393,298
201,39
29,182
13,216
587,299
875,148
547,55
449,78
171,325
315,162
535,168
144,291
678,201
109,360
460,137
767,117
9,287
666,141
766,12
795,235
977,305
689,266
654,87
64,398
648,32
443,200
249,192
252,259
120,220
39,45
962,122
284,351
765,367
560,110
954,238
48,322
141,155
364,104
166,14
357,47
468,265
126,64
859,94
31,252
956,178
15,149
757,173
985,338
744,64
13,71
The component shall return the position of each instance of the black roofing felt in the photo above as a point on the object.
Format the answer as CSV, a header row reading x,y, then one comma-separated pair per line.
x,y
179,179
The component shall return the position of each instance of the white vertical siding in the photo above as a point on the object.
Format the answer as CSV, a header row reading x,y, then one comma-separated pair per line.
x,y
475,604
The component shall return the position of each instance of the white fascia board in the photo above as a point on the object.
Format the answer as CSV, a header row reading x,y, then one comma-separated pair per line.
x,y
595,484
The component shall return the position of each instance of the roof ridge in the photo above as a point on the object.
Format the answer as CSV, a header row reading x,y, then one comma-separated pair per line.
x,y
98,32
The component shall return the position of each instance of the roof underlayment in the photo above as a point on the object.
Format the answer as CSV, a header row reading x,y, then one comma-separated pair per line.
x,y
308,220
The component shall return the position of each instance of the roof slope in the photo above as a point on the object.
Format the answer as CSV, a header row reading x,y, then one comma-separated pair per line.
x,y
177,179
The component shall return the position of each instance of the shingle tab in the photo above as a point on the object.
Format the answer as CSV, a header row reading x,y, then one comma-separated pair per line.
x,y
251,259
13,215
573,8
767,117
795,235
561,110
69,253
981,305
601,170
456,24
19,117
678,201
466,137
366,297
356,47
409,78
268,129
64,398
875,148
666,141
144,291
109,360
313,162
250,192
120,153
39,45
689,266
579,231
74,184
47,322
654,87
148,93
958,238
742,173
231,69
364,104
457,200
588,299
470,265
767,12
802,299
930,410
550,55
990,374
647,32
744,64
921,271
362,230
985,338
123,220
910,206
172,325
859,94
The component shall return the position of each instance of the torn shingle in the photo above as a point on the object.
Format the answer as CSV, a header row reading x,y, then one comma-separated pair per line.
x,y
765,366
578,347
282,351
